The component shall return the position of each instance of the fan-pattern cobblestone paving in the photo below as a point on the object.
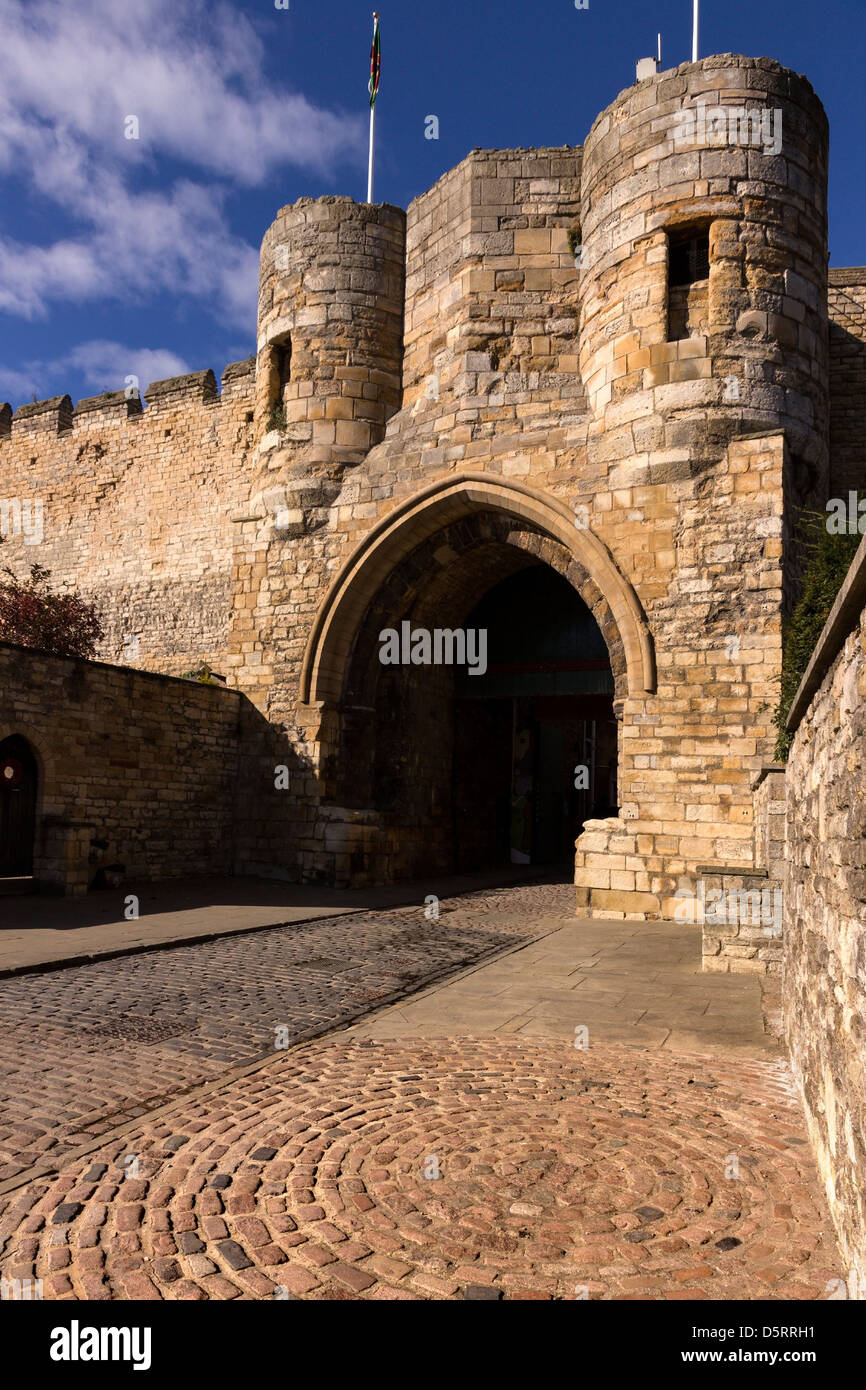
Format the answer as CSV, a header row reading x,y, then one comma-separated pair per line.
x,y
446,1169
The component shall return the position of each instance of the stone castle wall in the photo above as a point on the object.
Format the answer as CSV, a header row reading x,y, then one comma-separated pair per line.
x,y
847,306
137,509
824,991
143,763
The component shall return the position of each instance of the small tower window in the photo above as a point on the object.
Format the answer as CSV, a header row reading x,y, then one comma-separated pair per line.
x,y
283,361
276,369
688,278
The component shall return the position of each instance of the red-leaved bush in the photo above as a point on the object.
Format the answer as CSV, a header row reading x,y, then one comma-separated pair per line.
x,y
33,615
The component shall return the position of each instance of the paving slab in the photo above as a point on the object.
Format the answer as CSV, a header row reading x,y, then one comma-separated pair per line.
x,y
643,985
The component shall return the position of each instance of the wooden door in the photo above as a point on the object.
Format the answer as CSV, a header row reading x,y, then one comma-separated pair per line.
x,y
18,780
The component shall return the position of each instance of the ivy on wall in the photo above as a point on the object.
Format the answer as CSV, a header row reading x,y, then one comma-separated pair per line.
x,y
828,562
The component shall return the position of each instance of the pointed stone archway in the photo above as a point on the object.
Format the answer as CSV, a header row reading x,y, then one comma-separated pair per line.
x,y
411,522
432,558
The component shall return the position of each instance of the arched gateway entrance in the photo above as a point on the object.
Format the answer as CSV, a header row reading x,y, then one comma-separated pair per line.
x,y
470,756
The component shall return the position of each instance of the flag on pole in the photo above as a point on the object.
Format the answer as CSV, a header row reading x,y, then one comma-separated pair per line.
x,y
375,61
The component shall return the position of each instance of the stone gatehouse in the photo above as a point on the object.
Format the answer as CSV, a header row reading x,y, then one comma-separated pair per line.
x,y
573,398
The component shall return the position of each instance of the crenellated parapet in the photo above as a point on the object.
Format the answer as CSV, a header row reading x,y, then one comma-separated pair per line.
x,y
57,416
173,390
52,416
95,411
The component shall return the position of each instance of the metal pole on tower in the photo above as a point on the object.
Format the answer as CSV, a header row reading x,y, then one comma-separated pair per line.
x,y
372,149
695,28
375,66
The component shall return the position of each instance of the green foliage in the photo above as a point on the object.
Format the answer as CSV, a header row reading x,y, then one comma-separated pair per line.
x,y
574,240
277,417
829,560
203,674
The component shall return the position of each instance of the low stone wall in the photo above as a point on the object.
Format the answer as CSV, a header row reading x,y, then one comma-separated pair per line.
x,y
741,910
741,922
144,765
824,983
618,874
621,872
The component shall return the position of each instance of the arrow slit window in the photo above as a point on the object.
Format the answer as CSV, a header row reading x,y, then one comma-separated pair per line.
x,y
688,282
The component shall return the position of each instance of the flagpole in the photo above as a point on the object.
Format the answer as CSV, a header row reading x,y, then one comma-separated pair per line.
x,y
372,117
372,148
695,26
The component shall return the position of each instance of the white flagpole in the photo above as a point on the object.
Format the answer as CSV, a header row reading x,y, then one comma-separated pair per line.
x,y
695,26
372,129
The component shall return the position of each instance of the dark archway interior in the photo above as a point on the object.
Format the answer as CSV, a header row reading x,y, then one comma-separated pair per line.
x,y
467,768
18,785
541,719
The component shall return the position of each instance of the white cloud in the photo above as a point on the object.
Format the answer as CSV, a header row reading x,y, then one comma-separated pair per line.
x,y
193,74
106,365
103,364
18,383
190,70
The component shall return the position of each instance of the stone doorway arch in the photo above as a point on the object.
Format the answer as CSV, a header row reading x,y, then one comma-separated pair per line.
x,y
450,499
434,557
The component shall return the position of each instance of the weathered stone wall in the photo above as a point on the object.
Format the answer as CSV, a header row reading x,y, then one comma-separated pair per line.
x,y
825,913
488,276
770,827
137,509
847,304
143,761
741,911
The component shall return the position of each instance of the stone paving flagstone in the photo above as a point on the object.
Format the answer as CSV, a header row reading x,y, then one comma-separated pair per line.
x,y
635,982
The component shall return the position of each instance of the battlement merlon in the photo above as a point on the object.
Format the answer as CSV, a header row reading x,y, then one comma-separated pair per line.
x,y
167,393
57,416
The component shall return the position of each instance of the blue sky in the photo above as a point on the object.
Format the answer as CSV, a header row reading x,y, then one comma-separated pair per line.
x,y
122,256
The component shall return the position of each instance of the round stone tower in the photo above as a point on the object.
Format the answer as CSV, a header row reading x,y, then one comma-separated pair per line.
x,y
704,264
330,333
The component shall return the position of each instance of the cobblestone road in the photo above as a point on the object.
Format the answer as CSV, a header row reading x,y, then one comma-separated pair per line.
x,y
86,1048
439,1169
